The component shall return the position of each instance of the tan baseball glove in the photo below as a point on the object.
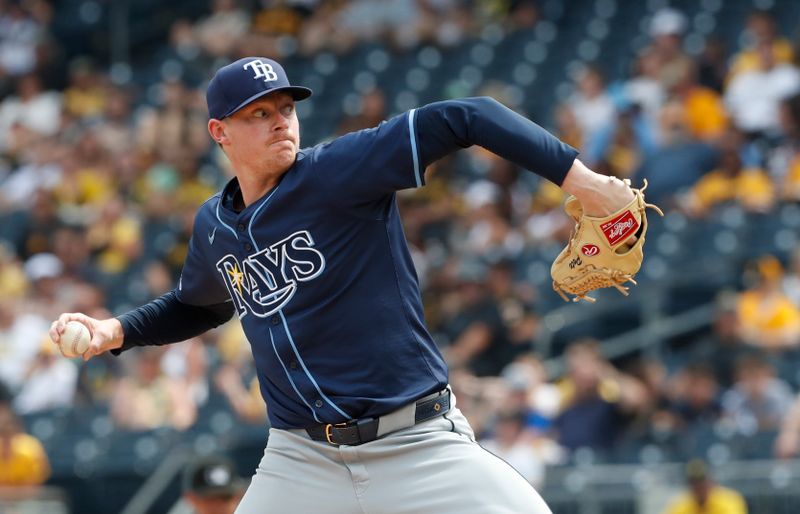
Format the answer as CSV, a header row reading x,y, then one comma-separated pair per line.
x,y
599,253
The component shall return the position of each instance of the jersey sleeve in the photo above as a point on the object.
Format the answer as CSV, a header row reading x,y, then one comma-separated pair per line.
x,y
364,166
199,283
444,127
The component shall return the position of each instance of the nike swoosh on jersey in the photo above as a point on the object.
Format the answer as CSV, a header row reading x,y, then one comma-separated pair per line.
x,y
211,236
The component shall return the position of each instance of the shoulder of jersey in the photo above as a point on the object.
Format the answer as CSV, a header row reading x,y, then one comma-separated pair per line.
x,y
209,207
211,202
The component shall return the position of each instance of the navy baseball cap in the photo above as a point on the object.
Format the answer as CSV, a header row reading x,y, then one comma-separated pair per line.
x,y
241,82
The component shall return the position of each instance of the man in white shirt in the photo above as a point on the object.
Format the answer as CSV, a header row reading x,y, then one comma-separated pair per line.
x,y
753,97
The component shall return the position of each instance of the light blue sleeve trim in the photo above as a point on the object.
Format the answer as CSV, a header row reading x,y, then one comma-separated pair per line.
x,y
290,377
219,201
413,136
303,364
253,217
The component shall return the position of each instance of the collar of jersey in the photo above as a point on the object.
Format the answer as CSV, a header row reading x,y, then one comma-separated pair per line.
x,y
232,188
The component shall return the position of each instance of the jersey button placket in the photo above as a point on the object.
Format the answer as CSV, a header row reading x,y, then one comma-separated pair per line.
x,y
318,404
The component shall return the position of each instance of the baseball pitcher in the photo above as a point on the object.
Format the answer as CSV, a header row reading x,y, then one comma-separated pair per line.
x,y
306,247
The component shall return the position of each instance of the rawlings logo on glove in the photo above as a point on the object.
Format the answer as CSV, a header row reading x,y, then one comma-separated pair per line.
x,y
609,260
620,228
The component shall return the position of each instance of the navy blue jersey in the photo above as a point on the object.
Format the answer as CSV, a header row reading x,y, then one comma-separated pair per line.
x,y
319,271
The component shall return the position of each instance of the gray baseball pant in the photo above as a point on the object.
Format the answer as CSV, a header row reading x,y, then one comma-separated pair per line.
x,y
434,467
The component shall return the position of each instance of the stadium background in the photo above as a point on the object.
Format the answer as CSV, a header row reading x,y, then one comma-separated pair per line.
x,y
104,158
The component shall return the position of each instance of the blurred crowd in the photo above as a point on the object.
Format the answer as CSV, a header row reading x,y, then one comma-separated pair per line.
x,y
100,179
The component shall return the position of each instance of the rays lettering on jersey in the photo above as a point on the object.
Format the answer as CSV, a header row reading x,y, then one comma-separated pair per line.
x,y
265,282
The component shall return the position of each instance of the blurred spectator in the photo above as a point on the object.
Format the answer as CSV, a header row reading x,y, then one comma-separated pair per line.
x,y
246,401
35,227
39,169
666,28
115,128
678,162
97,381
23,461
706,118
753,96
13,282
784,161
32,110
760,32
85,95
488,231
567,127
480,399
72,249
546,221
787,444
115,237
731,182
175,124
712,66
182,56
219,32
5,393
20,35
281,17
515,302
522,14
596,399
188,363
322,32
790,284
45,273
371,113
211,485
87,178
655,417
18,334
694,398
767,317
512,443
49,382
704,496
758,399
591,105
148,398
644,88
398,19
479,339
623,145
236,378
723,347
528,391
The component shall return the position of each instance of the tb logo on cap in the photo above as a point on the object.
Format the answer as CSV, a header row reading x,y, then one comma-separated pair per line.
x,y
262,69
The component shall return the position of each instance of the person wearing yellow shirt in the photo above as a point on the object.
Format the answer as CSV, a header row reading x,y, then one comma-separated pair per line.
x,y
704,496
23,461
760,29
730,182
767,317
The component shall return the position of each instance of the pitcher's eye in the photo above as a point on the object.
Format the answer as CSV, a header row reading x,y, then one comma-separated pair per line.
x,y
287,110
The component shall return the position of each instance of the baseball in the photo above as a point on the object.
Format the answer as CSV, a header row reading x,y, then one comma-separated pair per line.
x,y
75,339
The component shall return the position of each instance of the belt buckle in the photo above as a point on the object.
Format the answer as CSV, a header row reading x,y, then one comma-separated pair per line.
x,y
329,431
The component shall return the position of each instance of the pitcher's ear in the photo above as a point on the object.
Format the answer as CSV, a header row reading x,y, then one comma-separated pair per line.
x,y
216,129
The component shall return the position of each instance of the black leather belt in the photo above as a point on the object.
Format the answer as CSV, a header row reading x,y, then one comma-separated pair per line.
x,y
362,431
